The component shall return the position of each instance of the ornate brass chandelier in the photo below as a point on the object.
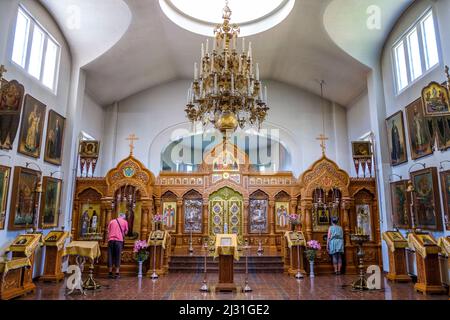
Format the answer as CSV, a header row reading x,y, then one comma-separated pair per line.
x,y
227,91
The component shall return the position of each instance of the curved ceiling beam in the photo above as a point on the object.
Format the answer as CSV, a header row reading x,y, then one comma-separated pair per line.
x,y
90,27
361,27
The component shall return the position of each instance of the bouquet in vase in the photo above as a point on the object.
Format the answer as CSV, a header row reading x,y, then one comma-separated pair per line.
x,y
140,250
294,219
157,220
312,247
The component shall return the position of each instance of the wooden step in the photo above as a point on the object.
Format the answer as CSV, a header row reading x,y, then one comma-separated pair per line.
x,y
256,264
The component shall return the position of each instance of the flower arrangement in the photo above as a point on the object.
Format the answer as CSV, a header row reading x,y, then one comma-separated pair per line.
x,y
140,250
312,247
294,218
157,218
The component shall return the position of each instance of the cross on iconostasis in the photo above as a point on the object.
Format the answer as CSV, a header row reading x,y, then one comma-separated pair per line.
x,y
132,138
322,138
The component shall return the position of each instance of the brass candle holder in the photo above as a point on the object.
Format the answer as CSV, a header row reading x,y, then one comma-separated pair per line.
x,y
360,284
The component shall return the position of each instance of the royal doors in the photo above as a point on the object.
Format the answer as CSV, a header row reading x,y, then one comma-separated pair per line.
x,y
225,212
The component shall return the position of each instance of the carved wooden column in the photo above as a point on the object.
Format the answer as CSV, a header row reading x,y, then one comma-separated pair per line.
x,y
74,230
145,217
156,209
151,213
179,241
107,204
245,214
271,222
307,217
346,206
205,218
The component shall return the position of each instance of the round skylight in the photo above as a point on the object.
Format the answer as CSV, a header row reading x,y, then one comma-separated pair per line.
x,y
253,16
211,10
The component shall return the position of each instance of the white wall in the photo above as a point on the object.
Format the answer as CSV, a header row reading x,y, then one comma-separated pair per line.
x,y
155,114
93,123
58,102
394,102
358,122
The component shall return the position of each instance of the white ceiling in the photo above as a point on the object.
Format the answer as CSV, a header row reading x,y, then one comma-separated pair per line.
x,y
299,51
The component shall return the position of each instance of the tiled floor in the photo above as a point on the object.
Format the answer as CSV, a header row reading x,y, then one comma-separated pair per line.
x,y
182,286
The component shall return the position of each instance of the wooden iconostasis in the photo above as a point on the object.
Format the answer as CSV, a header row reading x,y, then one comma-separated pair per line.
x,y
254,205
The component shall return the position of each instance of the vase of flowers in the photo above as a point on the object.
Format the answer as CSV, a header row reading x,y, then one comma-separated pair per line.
x,y
157,220
141,254
294,219
312,247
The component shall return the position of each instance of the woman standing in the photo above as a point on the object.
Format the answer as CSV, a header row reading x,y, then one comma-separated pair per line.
x,y
335,244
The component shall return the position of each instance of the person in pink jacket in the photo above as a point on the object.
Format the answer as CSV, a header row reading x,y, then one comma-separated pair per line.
x,y
117,229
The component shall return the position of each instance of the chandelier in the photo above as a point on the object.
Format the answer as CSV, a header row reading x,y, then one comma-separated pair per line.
x,y
227,92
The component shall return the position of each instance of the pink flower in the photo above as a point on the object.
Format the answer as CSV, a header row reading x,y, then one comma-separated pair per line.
x,y
157,218
140,245
314,245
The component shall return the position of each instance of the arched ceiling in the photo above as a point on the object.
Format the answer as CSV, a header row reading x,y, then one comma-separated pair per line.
x,y
369,21
91,27
314,42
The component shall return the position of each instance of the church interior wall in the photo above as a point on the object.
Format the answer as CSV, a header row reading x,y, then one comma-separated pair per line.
x,y
150,113
394,102
57,102
358,120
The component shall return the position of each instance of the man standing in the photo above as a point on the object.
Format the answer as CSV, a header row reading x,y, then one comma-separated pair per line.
x,y
117,229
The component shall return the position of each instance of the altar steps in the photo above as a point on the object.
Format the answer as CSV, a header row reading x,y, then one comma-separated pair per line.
x,y
256,264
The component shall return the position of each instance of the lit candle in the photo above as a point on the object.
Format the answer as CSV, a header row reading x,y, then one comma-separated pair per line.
x,y
207,46
195,71
243,45
216,87
203,51
188,96
215,44
250,50
257,71
265,94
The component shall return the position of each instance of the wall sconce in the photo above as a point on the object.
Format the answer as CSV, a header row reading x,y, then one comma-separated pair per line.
x,y
394,175
55,172
28,164
415,164
441,164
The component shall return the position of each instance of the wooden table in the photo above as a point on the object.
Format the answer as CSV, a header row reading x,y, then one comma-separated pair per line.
x,y
83,250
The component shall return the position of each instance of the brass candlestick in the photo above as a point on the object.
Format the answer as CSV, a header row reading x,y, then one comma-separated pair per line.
x,y
360,284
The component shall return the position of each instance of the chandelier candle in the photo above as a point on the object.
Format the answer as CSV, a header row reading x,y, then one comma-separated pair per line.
x,y
227,92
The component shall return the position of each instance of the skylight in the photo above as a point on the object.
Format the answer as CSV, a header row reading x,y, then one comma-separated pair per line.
x,y
211,10
201,16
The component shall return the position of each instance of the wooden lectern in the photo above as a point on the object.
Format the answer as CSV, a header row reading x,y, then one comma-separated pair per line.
x,y
159,249
54,250
427,260
444,244
397,245
11,278
227,251
294,244
24,246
